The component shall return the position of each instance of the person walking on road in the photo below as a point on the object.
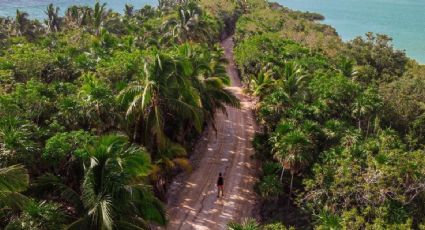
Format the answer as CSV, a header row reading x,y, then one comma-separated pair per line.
x,y
220,184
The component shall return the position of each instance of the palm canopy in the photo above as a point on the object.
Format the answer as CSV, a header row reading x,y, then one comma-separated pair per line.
x,y
158,89
186,83
291,147
78,16
292,79
21,22
13,180
210,78
128,10
53,19
190,24
99,15
113,193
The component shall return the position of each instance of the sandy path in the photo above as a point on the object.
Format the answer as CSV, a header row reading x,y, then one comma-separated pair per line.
x,y
193,203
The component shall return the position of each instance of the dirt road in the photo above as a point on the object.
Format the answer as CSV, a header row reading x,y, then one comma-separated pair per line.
x,y
193,203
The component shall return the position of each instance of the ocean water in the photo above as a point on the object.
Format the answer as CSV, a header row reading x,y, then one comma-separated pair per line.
x,y
36,8
403,20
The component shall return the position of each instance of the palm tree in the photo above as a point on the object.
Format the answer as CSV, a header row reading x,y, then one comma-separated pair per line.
x,y
189,24
113,193
72,16
347,68
146,12
281,129
188,84
128,10
161,87
365,106
78,16
21,22
262,84
13,180
292,79
53,19
99,15
291,149
210,79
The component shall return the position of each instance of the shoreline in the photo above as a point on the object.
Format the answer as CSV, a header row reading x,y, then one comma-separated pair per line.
x,y
342,32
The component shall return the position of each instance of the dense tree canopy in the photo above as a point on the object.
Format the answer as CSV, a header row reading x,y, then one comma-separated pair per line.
x,y
342,123
98,110
95,107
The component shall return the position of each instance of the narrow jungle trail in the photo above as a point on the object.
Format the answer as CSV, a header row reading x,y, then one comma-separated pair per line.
x,y
193,203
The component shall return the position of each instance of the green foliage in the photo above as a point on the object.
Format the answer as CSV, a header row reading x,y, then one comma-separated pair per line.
x,y
251,224
154,75
247,224
113,193
344,119
13,180
271,168
39,215
192,90
27,60
377,52
328,221
15,140
53,20
276,226
191,23
261,17
270,187
404,100
64,144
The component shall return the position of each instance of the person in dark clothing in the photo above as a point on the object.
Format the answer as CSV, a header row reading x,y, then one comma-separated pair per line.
x,y
220,184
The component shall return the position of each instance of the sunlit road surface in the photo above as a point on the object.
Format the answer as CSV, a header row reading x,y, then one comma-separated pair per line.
x,y
193,204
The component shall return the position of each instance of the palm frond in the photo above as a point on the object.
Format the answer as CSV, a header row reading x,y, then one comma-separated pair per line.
x,y
66,192
13,179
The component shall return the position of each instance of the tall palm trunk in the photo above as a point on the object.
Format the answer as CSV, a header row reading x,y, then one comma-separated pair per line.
x,y
281,174
368,127
359,123
290,187
136,128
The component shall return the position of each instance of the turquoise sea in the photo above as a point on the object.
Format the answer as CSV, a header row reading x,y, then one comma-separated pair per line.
x,y
403,20
36,7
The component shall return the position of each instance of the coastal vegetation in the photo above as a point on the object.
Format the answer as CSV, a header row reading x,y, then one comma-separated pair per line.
x,y
99,109
341,141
